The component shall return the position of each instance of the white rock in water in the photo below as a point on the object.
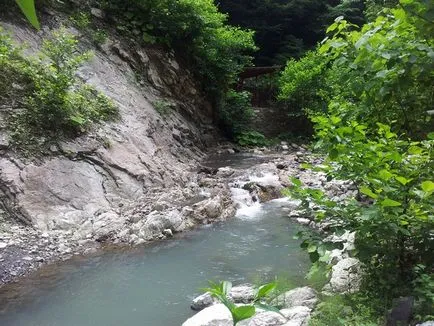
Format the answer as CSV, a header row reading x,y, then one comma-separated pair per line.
x,y
3,245
202,301
216,315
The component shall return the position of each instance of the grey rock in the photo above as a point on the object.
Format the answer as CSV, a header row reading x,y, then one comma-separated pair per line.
x,y
97,12
297,316
3,245
427,323
216,315
346,276
168,233
266,318
202,301
242,293
302,296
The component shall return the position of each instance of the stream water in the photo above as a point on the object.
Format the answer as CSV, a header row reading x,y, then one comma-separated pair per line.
x,y
154,285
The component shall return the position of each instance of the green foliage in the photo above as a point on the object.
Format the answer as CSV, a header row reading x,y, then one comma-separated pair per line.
x,y
381,73
300,82
288,28
241,312
83,21
196,29
377,85
163,107
393,217
28,9
340,310
252,138
47,98
236,112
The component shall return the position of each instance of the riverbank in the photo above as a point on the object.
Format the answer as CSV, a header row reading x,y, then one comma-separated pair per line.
x,y
208,196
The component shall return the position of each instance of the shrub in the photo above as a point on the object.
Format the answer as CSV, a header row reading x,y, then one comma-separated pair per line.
x,y
52,103
375,132
236,112
252,138
196,29
340,310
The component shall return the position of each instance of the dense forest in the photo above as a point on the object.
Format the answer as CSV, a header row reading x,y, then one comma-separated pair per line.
x,y
361,71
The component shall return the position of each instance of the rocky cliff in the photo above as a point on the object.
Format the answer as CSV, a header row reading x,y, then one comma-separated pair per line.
x,y
124,181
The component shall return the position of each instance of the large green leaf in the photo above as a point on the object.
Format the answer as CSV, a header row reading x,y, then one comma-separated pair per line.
x,y
428,186
368,192
390,203
28,9
242,312
265,289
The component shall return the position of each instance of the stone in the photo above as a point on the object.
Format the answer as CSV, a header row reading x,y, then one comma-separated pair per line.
x,y
297,316
225,172
202,301
427,323
302,296
216,315
242,293
27,258
3,245
168,233
346,276
98,13
266,318
303,220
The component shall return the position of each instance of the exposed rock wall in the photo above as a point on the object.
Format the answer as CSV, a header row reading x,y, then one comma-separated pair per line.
x,y
92,182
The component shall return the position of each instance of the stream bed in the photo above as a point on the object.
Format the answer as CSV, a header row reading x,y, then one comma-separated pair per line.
x,y
153,285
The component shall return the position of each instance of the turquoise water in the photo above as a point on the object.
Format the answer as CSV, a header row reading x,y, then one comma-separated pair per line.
x,y
154,285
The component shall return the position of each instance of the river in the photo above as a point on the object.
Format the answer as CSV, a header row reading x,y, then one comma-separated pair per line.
x,y
153,285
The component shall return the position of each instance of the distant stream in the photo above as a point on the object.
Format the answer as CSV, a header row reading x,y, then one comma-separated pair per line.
x,y
154,285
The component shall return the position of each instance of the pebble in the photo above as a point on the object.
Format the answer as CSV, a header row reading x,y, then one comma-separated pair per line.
x,y
27,258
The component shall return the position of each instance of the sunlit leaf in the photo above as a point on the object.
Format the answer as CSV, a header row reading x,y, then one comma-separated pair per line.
x,y
28,8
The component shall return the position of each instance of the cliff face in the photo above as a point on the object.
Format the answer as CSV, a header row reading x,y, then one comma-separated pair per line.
x,y
123,178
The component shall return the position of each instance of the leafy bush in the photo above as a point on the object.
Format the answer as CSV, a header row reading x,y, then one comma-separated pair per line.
x,y
49,101
252,138
377,85
196,29
236,112
301,80
340,310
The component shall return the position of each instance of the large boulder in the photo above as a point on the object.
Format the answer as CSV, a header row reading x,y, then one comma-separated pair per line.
x,y
346,276
265,318
216,315
297,316
302,296
242,293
